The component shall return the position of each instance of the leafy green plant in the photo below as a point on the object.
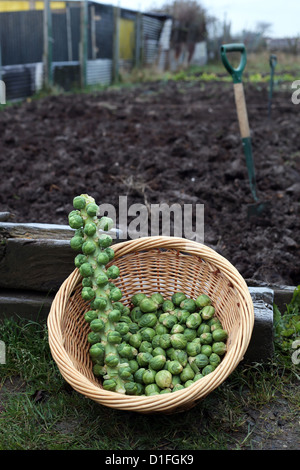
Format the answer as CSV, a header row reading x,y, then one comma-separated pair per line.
x,y
287,327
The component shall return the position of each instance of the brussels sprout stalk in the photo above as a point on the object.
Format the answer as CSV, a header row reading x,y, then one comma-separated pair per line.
x,y
97,286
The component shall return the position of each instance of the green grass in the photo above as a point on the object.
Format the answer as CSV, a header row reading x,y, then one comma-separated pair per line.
x,y
39,410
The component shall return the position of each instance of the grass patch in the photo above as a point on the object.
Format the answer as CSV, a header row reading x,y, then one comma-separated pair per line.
x,y
40,411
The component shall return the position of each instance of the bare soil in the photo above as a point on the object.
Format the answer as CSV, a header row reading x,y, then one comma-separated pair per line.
x,y
173,142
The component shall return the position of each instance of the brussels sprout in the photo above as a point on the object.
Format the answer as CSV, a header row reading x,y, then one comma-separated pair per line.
x,y
174,367
136,313
189,305
169,321
122,328
178,341
188,383
136,298
193,348
147,320
175,380
157,362
177,387
168,306
132,388
198,377
208,369
90,229
219,335
158,351
133,327
219,348
79,260
143,358
181,356
182,316
115,294
133,364
194,321
76,243
203,300
214,359
94,337
125,310
92,209
99,370
97,350
109,384
149,376
158,299
88,247
165,390
114,337
102,279
110,252
90,315
138,375
147,305
177,329
87,293
177,298
135,340
86,270
206,349
111,359
125,371
97,325
203,328
165,340
87,282
207,312
102,259
163,378
75,220
127,351
114,315
214,321
79,202
105,241
190,334
187,373
155,340
105,223
160,329
152,389
145,346
201,360
113,272
100,303
206,338
148,334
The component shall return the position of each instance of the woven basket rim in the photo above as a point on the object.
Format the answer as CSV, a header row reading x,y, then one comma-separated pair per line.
x,y
155,403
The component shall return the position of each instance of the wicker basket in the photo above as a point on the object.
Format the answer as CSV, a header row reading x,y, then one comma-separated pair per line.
x,y
154,264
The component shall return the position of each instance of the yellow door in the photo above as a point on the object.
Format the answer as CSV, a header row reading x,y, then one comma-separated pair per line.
x,y
126,39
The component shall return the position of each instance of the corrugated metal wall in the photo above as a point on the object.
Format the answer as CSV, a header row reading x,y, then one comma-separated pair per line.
x,y
21,41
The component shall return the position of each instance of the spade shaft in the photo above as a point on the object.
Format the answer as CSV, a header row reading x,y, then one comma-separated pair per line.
x,y
241,108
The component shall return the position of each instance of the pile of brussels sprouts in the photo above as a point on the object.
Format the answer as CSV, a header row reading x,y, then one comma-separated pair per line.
x,y
154,345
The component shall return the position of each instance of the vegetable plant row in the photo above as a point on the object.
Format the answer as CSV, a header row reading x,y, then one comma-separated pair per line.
x,y
153,345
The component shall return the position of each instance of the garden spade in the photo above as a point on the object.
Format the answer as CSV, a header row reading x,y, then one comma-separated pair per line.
x,y
236,73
